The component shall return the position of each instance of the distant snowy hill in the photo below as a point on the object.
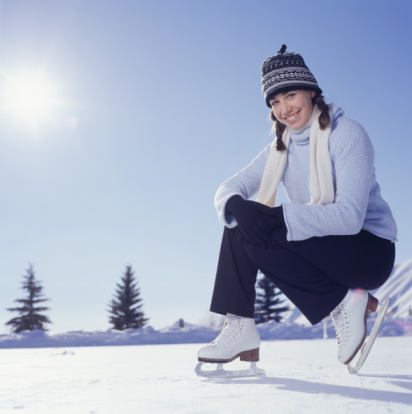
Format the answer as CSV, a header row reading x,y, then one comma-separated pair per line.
x,y
398,288
189,334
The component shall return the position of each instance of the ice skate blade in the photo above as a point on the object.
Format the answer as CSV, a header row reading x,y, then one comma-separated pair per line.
x,y
367,346
220,372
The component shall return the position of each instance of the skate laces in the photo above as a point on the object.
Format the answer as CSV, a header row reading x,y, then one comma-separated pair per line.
x,y
340,320
232,324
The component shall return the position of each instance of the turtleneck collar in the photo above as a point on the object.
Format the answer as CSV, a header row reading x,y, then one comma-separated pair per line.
x,y
298,134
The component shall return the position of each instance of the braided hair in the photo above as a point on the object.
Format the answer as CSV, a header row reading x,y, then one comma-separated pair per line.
x,y
324,121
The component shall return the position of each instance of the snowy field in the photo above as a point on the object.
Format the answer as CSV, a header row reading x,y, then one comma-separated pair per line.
x,y
301,376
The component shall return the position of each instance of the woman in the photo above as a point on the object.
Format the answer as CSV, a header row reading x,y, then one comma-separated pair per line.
x,y
325,249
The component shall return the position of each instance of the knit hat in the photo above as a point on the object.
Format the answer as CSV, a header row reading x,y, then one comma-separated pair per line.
x,y
284,72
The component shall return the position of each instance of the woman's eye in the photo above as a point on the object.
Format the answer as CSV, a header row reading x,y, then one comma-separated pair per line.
x,y
273,103
291,95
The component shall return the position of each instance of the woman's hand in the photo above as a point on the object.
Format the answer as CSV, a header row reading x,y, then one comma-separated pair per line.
x,y
256,221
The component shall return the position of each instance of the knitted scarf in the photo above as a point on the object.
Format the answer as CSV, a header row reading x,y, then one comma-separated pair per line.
x,y
320,175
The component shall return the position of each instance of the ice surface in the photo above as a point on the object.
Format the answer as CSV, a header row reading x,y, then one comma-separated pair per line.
x,y
301,377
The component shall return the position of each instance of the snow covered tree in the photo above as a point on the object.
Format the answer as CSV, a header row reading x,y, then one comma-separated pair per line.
x,y
30,314
269,304
125,307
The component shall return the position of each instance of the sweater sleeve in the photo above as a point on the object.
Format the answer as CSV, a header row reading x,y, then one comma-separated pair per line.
x,y
244,183
352,157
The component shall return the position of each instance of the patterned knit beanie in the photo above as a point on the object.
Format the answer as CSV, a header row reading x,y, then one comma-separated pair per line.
x,y
285,72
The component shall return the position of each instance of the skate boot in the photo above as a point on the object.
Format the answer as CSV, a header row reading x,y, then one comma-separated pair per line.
x,y
349,318
238,338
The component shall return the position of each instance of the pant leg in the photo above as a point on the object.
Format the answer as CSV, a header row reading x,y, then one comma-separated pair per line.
x,y
316,273
361,261
234,290
313,292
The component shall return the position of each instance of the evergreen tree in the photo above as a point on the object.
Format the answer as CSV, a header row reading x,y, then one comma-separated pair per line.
x,y
30,317
125,307
269,304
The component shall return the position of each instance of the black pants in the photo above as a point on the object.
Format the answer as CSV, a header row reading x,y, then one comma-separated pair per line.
x,y
315,274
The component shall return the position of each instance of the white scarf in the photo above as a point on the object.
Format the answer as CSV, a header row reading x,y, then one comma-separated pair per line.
x,y
320,176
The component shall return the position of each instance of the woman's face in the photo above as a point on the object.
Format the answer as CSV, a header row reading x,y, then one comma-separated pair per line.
x,y
293,108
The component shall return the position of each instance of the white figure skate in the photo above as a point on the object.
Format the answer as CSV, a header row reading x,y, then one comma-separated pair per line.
x,y
382,309
349,318
239,338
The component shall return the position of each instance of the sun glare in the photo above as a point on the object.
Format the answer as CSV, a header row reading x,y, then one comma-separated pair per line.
x,y
30,100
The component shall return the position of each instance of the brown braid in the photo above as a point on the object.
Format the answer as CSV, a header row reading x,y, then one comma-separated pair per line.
x,y
278,127
324,121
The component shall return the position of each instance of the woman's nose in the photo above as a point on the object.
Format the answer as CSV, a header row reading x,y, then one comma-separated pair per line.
x,y
285,108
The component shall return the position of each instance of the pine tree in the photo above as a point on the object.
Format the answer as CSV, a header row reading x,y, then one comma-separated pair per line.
x,y
269,304
125,307
30,317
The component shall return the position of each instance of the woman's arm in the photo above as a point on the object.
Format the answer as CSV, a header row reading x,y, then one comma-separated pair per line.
x,y
244,183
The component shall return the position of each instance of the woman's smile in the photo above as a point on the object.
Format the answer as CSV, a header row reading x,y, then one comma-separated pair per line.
x,y
292,117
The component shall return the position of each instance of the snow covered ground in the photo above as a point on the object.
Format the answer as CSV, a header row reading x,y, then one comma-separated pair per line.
x,y
302,376
189,334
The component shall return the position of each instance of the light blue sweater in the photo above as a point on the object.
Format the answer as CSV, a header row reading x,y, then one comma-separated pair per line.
x,y
358,202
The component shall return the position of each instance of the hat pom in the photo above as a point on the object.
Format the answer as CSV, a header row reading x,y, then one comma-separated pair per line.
x,y
282,49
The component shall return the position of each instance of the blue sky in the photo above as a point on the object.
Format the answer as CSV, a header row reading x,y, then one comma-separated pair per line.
x,y
153,104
